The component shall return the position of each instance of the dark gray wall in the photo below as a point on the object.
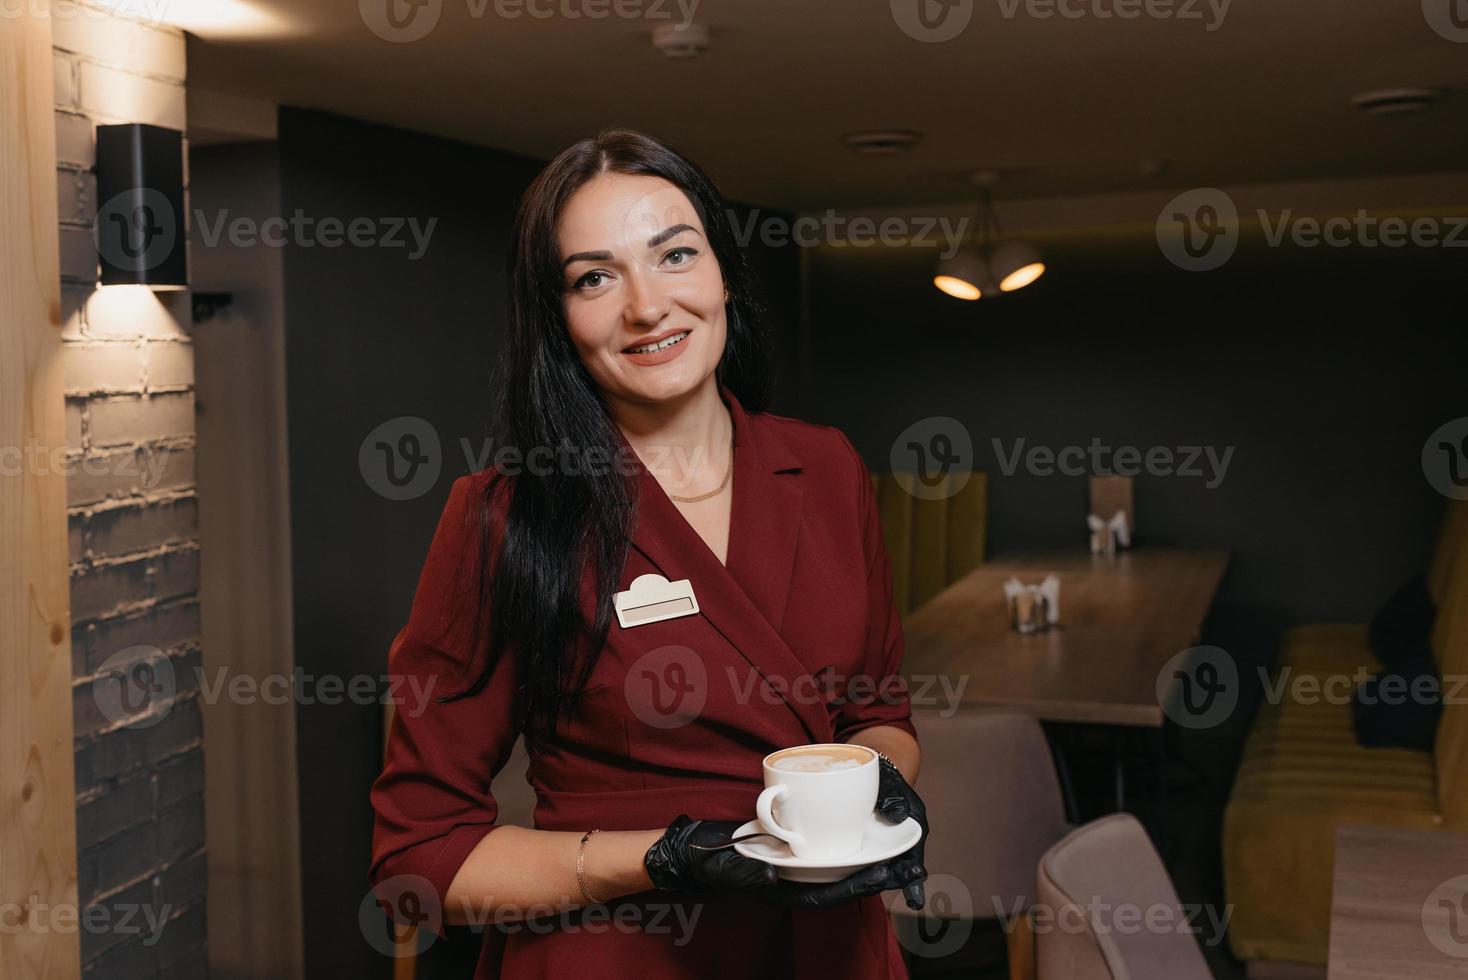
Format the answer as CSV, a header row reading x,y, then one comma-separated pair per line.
x,y
372,336
1325,369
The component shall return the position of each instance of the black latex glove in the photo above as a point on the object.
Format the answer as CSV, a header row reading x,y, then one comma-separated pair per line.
x,y
896,801
675,865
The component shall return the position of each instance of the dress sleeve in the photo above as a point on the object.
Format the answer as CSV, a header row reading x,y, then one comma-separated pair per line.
x,y
432,801
890,703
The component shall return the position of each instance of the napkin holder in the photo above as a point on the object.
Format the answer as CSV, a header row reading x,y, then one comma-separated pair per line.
x,y
1108,535
1033,608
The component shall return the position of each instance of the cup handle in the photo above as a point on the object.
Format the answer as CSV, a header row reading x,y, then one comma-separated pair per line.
x,y
767,819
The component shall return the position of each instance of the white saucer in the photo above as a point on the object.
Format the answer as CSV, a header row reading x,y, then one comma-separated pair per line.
x,y
881,841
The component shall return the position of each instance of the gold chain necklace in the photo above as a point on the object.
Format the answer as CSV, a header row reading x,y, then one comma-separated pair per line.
x,y
717,490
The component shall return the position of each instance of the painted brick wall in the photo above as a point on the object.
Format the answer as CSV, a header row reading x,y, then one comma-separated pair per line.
x,y
129,365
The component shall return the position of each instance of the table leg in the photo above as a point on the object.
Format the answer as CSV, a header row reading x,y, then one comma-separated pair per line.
x,y
1119,769
1067,788
1159,819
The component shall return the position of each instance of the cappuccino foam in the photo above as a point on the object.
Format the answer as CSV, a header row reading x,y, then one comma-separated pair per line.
x,y
820,760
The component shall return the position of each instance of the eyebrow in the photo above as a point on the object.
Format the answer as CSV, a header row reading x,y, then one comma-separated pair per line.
x,y
653,242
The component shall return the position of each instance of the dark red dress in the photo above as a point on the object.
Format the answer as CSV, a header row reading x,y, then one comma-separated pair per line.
x,y
677,714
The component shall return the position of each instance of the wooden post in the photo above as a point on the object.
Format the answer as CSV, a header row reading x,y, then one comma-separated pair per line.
x,y
1020,940
38,884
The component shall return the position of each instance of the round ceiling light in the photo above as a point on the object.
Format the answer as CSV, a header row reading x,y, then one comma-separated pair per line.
x,y
1015,265
964,275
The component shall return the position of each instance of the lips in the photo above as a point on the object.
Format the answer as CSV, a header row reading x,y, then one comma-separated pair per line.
x,y
658,349
660,342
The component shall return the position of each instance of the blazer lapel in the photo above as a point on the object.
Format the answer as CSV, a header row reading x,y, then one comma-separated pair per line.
x,y
765,526
745,600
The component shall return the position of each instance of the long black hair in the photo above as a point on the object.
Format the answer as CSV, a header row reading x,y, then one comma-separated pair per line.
x,y
563,523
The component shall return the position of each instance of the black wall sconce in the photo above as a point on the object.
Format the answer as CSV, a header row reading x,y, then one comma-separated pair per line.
x,y
140,212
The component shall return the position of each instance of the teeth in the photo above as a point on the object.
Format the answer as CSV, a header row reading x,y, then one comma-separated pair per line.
x,y
649,348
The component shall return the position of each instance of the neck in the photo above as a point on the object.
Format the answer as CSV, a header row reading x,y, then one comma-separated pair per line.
x,y
681,441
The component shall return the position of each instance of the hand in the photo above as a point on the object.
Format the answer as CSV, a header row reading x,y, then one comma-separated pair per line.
x,y
896,801
674,864
868,881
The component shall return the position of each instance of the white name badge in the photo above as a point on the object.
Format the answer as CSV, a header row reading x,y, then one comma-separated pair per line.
x,y
652,599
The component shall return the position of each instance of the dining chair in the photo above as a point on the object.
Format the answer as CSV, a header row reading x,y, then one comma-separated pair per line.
x,y
994,806
1085,882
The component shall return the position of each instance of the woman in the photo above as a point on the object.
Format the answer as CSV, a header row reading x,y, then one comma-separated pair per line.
x,y
632,391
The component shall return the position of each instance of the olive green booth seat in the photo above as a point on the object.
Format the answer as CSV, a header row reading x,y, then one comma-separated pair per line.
x,y
931,543
1303,774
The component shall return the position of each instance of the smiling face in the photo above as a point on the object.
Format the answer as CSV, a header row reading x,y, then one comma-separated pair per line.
x,y
642,290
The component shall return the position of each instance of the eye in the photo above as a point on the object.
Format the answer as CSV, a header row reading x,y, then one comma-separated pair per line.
x,y
586,281
683,255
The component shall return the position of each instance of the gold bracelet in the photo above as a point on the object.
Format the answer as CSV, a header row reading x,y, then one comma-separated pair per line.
x,y
581,865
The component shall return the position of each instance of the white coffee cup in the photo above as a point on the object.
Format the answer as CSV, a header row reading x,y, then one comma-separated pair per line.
x,y
819,798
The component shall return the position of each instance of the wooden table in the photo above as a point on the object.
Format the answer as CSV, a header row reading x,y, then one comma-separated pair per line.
x,y
1122,619
1399,908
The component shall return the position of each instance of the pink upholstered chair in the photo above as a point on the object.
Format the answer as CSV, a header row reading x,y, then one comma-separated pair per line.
x,y
994,806
1106,864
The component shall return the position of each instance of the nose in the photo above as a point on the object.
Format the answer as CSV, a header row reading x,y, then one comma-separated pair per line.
x,y
645,303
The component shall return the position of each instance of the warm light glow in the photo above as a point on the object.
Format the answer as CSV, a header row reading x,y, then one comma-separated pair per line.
x,y
207,18
957,288
1022,277
134,308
